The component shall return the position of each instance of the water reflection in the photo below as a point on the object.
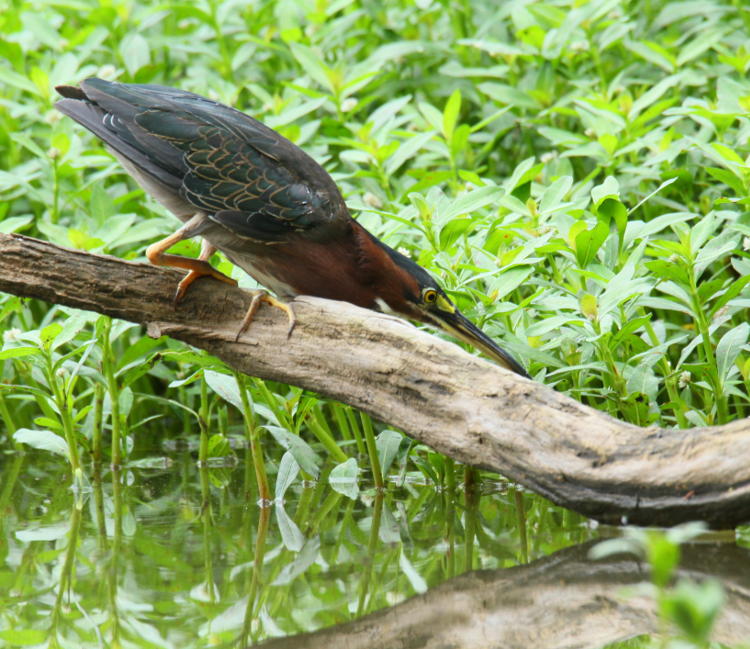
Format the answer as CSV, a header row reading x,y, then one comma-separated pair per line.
x,y
185,557
564,600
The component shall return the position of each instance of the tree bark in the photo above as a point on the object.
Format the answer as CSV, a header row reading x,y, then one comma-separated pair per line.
x,y
459,404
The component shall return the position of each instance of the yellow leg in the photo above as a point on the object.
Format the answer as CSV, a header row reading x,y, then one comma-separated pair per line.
x,y
262,296
156,254
206,251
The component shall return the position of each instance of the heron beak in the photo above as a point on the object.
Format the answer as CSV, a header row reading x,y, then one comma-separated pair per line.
x,y
456,324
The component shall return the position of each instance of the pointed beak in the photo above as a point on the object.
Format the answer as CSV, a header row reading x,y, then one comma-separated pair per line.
x,y
464,329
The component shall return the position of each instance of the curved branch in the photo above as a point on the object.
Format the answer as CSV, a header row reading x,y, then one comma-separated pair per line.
x,y
459,404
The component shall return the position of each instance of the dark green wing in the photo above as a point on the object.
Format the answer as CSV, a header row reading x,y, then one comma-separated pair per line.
x,y
244,175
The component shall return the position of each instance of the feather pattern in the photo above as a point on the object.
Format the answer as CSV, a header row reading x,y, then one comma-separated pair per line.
x,y
240,173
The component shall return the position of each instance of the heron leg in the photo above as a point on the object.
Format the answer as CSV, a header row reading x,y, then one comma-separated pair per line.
x,y
157,255
262,296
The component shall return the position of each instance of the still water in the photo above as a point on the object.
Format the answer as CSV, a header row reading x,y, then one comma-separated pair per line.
x,y
167,554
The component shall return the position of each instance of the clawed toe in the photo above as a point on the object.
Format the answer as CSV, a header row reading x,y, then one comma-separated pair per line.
x,y
262,296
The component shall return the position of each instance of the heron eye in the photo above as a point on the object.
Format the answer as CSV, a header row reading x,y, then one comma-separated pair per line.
x,y
429,296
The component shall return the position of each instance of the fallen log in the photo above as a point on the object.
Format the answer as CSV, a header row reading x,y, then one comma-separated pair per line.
x,y
458,404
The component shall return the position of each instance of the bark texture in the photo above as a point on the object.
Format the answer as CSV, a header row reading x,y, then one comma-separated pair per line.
x,y
459,404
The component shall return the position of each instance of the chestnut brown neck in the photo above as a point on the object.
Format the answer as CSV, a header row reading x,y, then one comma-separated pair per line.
x,y
354,267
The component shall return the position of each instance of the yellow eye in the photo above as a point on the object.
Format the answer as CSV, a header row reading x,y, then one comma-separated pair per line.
x,y
430,296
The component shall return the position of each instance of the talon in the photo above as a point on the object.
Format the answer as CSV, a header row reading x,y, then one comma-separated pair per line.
x,y
157,255
182,287
262,296
201,269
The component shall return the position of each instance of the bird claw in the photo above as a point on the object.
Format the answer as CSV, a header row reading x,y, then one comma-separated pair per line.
x,y
262,296
182,287
195,273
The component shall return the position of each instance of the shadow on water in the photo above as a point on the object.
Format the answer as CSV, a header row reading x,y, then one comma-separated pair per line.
x,y
167,554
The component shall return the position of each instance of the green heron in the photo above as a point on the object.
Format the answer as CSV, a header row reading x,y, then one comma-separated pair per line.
x,y
261,200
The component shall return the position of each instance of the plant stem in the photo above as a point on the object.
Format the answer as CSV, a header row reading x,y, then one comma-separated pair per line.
x,y
108,370
252,435
372,451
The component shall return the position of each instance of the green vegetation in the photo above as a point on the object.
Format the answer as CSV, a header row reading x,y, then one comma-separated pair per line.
x,y
687,607
575,173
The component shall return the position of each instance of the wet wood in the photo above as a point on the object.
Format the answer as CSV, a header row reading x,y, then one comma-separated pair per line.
x,y
458,404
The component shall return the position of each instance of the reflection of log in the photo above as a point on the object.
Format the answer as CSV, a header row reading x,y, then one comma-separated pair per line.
x,y
564,600
459,404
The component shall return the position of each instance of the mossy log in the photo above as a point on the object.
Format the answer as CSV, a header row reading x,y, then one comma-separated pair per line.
x,y
457,403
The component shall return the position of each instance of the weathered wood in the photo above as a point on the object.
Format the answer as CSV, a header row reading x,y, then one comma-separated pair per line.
x,y
458,404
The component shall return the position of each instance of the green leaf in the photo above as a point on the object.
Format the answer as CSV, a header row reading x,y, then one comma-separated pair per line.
x,y
389,531
653,94
44,440
730,156
693,608
729,178
49,422
509,95
731,96
306,557
49,333
343,478
654,53
14,223
43,532
588,242
460,140
70,328
702,40
450,114
524,172
729,347
15,80
473,200
554,194
135,52
611,209
669,270
125,401
286,475
663,555
225,386
453,230
312,65
405,152
415,579
509,280
610,188
218,446
291,536
23,637
732,292
307,459
18,352
387,443
642,380
589,306
432,114
720,246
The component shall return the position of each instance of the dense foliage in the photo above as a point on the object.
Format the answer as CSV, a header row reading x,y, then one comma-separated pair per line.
x,y
575,175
